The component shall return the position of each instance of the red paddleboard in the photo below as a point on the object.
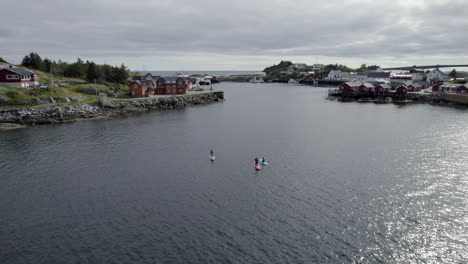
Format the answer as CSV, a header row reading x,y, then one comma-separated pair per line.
x,y
257,166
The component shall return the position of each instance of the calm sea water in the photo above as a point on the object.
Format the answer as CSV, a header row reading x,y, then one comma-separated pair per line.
x,y
347,182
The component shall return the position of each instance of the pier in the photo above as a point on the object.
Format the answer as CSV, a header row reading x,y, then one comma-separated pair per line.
x,y
456,98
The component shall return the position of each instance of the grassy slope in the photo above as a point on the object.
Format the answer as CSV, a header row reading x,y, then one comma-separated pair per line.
x,y
64,89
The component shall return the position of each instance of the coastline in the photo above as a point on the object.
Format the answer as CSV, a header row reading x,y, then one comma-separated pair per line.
x,y
104,109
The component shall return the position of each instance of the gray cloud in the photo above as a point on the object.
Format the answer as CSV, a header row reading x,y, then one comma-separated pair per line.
x,y
181,30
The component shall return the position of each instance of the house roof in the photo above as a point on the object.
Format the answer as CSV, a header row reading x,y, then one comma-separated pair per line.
x,y
368,85
353,84
385,86
172,80
417,85
18,70
378,74
145,82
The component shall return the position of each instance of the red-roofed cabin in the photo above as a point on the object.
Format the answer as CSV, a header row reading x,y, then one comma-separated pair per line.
x,y
414,87
365,87
349,86
18,77
382,88
463,89
401,89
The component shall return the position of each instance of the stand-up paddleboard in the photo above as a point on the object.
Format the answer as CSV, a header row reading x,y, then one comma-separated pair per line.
x,y
212,157
263,162
257,166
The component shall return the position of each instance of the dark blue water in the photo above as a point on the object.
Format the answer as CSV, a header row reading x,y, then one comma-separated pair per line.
x,y
347,182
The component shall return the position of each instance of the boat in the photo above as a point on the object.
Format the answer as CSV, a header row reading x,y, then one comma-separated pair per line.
x,y
292,81
264,162
257,166
256,79
212,157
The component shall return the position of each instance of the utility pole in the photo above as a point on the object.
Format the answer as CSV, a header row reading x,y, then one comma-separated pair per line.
x,y
95,86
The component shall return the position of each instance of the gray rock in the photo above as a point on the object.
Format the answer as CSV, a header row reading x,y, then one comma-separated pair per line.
x,y
62,100
78,98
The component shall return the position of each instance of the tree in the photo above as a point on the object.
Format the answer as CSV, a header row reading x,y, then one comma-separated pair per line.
x,y
92,73
363,68
36,61
120,74
47,65
26,62
2,60
453,74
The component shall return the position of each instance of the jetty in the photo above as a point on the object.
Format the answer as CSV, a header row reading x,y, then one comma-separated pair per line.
x,y
456,98
389,97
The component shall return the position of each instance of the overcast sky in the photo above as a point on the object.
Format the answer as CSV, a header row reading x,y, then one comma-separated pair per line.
x,y
236,35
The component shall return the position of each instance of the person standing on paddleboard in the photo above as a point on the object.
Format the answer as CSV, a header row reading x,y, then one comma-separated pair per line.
x,y
256,161
211,152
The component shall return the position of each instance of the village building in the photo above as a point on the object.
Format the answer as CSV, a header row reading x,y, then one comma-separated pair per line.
x,y
349,86
18,77
452,88
382,88
142,88
365,87
462,89
400,78
436,75
299,65
337,75
381,76
171,85
415,87
415,70
400,90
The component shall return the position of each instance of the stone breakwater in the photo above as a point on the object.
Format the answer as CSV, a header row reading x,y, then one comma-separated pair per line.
x,y
104,108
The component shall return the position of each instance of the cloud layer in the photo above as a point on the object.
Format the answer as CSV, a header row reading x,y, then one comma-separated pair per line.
x,y
242,34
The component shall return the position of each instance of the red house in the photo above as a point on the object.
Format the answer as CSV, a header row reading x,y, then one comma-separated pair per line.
x,y
366,87
401,89
462,89
142,88
415,87
382,88
349,86
18,77
171,85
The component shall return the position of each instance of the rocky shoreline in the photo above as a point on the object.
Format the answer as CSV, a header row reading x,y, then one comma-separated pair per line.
x,y
105,108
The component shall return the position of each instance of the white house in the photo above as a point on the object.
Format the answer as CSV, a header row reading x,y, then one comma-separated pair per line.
x,y
336,75
436,75
299,65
